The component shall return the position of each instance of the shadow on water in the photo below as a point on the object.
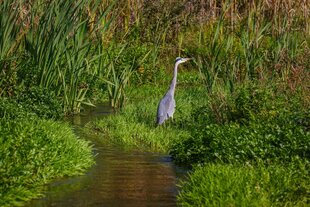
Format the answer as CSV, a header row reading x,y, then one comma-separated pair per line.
x,y
119,178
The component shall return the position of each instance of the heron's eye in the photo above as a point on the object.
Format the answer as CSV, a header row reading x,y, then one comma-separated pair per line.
x,y
178,59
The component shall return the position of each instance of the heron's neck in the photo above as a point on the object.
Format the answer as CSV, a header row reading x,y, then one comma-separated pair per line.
x,y
174,80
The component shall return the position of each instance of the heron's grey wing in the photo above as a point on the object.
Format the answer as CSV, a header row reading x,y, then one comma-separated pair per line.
x,y
171,108
163,108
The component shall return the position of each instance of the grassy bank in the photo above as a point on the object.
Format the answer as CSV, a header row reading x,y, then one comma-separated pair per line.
x,y
34,151
246,185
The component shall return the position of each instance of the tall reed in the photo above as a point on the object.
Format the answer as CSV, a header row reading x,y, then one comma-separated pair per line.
x,y
60,47
213,59
252,34
116,64
9,36
250,50
116,75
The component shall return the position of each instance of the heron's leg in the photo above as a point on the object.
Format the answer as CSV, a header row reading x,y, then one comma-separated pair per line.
x,y
170,122
165,124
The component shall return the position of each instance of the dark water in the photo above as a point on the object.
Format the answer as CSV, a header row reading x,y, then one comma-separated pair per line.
x,y
119,178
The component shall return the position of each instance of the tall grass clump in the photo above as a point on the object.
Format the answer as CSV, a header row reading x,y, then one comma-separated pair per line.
x,y
35,151
231,185
52,45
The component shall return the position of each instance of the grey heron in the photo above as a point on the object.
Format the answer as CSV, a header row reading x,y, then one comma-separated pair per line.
x,y
166,105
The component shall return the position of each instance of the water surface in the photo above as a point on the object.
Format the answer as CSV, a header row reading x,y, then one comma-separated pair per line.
x,y
119,178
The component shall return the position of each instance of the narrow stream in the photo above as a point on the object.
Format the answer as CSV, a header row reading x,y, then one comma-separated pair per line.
x,y
119,178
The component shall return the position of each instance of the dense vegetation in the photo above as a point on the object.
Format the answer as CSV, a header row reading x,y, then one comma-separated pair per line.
x,y
242,118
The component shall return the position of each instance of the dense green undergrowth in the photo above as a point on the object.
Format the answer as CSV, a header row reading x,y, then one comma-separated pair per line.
x,y
233,143
253,123
33,151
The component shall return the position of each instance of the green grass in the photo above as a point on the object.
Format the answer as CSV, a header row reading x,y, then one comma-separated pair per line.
x,y
34,151
245,185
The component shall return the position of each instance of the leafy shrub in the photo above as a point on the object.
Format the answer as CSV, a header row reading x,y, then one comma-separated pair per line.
x,y
235,185
251,102
233,143
253,124
40,101
247,103
32,102
9,109
253,146
7,79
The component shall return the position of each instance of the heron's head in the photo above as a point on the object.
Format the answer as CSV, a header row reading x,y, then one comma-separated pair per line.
x,y
182,60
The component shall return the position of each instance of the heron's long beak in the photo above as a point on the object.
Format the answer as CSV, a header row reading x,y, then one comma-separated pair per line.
x,y
186,59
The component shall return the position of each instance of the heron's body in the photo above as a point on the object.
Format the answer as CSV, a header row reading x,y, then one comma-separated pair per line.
x,y
167,105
